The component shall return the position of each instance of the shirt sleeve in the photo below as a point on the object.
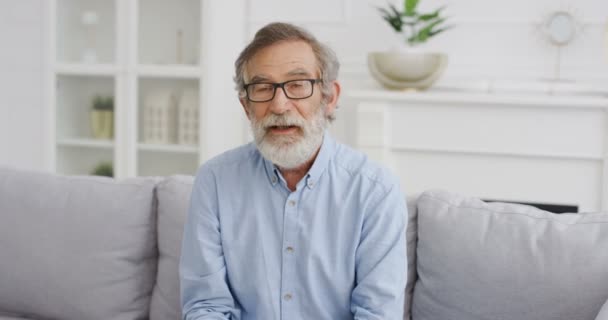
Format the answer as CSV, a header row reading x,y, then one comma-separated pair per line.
x,y
381,260
205,293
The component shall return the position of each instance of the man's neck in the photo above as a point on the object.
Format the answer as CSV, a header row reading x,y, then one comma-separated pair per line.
x,y
293,176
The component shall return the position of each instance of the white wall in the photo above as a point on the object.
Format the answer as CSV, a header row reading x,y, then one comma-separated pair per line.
x,y
21,84
490,37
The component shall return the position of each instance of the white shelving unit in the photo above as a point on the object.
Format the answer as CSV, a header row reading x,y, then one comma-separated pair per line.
x,y
151,57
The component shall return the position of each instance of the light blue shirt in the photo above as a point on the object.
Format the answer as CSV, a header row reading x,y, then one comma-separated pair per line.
x,y
332,249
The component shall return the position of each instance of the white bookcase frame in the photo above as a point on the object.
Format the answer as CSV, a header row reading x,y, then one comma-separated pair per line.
x,y
221,36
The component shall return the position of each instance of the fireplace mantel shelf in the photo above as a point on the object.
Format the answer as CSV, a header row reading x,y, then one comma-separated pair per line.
x,y
456,97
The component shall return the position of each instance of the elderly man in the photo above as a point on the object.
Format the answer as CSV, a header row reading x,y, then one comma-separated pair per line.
x,y
293,225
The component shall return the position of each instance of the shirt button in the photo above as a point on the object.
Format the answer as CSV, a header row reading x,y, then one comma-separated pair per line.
x,y
287,297
274,179
292,203
310,184
290,249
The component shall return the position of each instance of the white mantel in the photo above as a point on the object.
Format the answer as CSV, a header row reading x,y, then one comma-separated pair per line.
x,y
507,146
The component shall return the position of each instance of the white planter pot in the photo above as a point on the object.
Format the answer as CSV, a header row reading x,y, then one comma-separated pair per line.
x,y
401,70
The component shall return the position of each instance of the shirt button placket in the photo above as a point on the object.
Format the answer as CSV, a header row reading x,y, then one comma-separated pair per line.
x,y
289,265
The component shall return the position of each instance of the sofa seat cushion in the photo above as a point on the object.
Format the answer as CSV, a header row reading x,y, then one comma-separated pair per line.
x,y
603,314
76,247
173,200
505,261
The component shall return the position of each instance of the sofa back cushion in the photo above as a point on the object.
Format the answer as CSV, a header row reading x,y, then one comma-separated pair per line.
x,y
173,200
411,235
75,248
505,261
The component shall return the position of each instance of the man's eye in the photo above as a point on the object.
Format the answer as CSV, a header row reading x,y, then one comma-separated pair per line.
x,y
262,88
295,85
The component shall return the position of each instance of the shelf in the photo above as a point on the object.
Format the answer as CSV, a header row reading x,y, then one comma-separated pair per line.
x,y
152,71
489,153
172,148
169,71
74,100
174,41
154,74
454,97
78,161
80,69
86,143
86,31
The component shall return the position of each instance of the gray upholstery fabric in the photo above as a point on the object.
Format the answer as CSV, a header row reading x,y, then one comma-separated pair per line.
x,y
76,248
173,200
411,238
501,261
6,316
603,314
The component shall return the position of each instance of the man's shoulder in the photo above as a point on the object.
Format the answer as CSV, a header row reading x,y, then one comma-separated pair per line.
x,y
358,165
231,158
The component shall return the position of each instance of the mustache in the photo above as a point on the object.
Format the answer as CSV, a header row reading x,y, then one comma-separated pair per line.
x,y
274,120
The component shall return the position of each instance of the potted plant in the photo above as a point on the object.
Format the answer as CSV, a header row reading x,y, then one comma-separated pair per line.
x,y
102,117
410,67
104,169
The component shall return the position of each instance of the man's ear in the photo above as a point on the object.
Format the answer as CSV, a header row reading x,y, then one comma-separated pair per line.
x,y
332,102
243,102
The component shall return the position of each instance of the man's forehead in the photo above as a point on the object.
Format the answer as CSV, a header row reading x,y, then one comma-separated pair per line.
x,y
297,72
287,59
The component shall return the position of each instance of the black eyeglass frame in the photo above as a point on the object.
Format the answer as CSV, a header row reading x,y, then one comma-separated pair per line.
x,y
282,86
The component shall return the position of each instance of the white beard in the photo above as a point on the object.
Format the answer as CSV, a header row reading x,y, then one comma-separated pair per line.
x,y
290,151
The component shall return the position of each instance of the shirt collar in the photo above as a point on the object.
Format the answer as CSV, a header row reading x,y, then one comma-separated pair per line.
x,y
328,146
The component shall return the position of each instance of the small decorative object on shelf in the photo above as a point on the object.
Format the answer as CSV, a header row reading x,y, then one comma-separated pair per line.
x,y
409,66
160,117
102,117
560,28
179,47
188,118
90,19
104,169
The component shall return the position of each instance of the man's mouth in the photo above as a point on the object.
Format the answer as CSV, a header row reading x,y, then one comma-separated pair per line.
x,y
282,129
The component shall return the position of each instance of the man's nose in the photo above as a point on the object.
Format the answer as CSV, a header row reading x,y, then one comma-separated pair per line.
x,y
280,104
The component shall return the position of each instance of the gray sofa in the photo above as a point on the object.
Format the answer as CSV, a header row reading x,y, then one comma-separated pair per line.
x,y
97,248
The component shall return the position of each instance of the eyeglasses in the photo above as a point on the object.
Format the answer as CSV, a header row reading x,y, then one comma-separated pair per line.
x,y
293,89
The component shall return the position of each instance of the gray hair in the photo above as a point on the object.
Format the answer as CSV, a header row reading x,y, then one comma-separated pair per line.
x,y
278,32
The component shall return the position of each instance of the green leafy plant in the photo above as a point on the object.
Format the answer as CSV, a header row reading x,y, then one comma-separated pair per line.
x,y
417,27
104,169
103,103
